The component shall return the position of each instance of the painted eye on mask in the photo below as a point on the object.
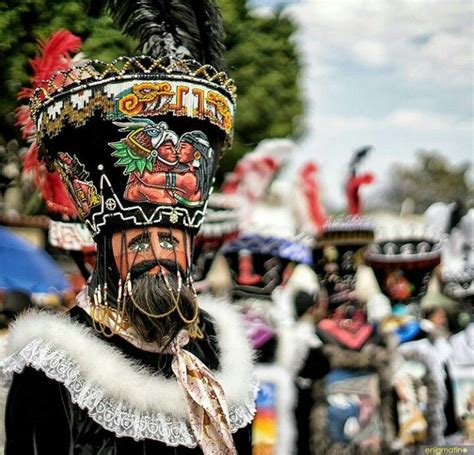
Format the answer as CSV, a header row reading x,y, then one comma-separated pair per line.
x,y
139,246
167,242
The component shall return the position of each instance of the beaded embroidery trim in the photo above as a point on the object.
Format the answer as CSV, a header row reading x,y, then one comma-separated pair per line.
x,y
137,86
96,70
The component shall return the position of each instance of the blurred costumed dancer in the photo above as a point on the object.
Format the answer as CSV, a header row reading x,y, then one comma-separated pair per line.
x,y
259,263
430,374
403,267
344,401
137,366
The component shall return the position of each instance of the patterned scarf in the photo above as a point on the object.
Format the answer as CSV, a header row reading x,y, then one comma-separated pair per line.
x,y
207,408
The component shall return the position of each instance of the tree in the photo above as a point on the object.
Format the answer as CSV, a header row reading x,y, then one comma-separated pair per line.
x,y
260,57
24,22
264,64
432,179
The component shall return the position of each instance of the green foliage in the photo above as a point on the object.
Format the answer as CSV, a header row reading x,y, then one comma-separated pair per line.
x,y
432,179
24,22
264,64
260,57
129,160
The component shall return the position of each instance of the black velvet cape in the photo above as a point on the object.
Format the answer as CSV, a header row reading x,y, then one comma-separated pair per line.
x,y
41,419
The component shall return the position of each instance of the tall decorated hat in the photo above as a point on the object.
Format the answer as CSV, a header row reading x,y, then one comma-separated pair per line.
x,y
136,141
132,145
337,253
340,241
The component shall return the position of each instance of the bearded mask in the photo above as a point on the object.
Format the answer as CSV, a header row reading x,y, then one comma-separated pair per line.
x,y
136,144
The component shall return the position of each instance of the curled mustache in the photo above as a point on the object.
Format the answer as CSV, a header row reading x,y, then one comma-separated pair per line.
x,y
143,267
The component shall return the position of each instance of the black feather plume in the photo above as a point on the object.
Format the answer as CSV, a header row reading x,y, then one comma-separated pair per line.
x,y
357,157
178,29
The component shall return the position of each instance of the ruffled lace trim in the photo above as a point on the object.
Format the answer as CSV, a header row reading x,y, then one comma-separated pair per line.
x,y
111,414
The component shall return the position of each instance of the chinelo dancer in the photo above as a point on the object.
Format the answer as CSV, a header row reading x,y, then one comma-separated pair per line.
x,y
137,366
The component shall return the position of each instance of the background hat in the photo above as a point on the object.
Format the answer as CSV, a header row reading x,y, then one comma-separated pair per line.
x,y
338,251
346,230
403,266
259,264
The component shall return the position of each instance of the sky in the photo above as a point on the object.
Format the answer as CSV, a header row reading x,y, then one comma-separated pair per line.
x,y
394,74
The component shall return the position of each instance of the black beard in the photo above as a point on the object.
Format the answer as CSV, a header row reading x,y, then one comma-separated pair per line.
x,y
151,294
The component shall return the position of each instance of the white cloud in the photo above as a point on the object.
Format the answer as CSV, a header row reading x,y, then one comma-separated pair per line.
x,y
428,122
420,40
406,119
419,52
371,53
396,138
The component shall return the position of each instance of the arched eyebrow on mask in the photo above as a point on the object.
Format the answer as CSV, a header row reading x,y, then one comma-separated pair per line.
x,y
145,237
168,236
142,237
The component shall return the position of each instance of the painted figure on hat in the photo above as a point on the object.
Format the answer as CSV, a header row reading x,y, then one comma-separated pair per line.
x,y
162,167
74,176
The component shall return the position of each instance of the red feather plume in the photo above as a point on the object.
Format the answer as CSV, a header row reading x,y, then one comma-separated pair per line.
x,y
310,190
352,191
53,55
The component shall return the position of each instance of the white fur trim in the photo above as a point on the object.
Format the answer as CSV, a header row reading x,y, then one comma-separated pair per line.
x,y
110,379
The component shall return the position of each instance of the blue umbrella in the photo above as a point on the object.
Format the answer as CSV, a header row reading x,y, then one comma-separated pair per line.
x,y
26,267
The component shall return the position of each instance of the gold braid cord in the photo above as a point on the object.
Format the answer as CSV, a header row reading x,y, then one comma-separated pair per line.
x,y
134,86
95,71
110,321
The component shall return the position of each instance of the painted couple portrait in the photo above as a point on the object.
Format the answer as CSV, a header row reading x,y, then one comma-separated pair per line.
x,y
162,167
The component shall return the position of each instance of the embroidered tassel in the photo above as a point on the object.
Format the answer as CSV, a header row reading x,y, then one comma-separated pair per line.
x,y
128,285
105,293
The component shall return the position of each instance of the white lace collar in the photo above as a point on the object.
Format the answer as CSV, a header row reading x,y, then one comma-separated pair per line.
x,y
119,394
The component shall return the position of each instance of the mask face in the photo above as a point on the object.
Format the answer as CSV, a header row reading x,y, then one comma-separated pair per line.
x,y
149,251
